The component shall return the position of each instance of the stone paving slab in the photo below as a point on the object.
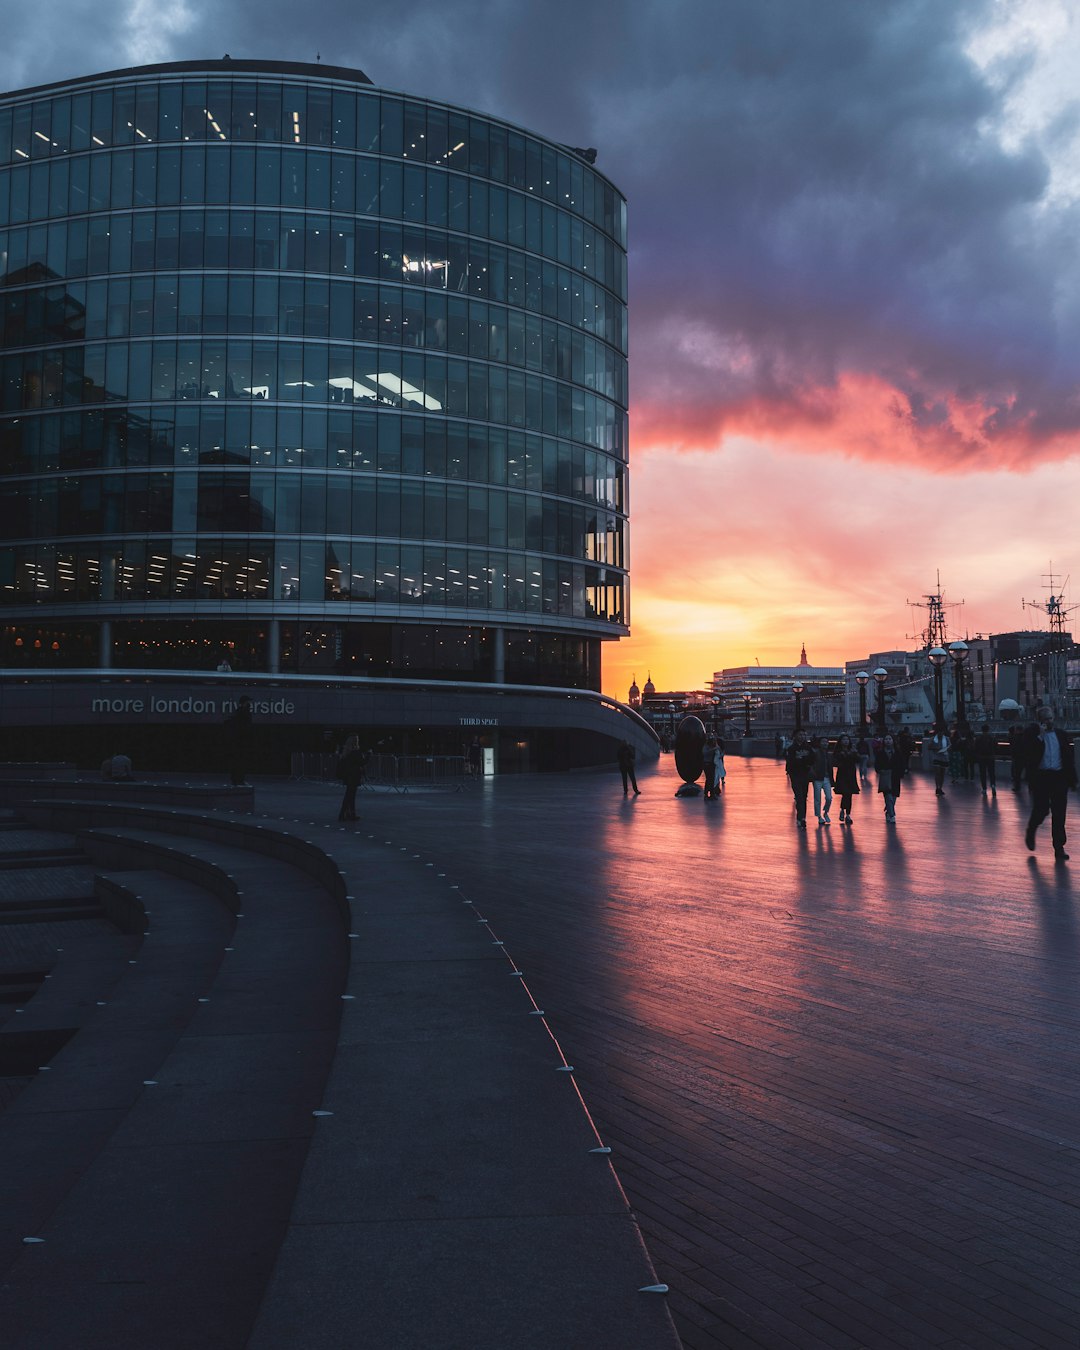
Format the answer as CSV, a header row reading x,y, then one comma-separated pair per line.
x,y
491,1282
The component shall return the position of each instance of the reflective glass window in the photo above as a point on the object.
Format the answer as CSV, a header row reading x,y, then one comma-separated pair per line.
x,y
391,127
367,122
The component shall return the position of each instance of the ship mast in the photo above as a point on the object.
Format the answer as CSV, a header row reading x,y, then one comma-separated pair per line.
x,y
1056,610
935,633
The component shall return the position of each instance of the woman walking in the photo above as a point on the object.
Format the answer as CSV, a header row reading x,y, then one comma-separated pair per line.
x,y
846,761
887,764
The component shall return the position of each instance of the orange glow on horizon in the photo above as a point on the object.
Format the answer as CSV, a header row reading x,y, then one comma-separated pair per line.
x,y
745,551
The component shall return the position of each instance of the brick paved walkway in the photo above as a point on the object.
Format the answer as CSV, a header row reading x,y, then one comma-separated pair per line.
x,y
839,1069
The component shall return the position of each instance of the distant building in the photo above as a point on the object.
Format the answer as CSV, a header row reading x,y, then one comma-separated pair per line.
x,y
1018,667
772,685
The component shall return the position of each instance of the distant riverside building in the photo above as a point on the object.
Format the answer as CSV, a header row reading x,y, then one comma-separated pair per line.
x,y
308,377
1002,666
772,684
1019,668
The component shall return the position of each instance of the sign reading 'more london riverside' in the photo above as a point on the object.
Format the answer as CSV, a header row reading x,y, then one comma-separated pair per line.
x,y
188,706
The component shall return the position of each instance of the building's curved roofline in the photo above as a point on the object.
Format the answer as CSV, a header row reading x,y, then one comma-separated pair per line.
x,y
225,65
228,65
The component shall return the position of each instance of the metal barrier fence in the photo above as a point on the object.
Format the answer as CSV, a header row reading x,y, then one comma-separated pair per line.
x,y
399,772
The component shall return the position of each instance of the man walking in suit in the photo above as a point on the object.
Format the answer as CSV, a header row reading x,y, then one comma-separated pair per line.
x,y
1051,767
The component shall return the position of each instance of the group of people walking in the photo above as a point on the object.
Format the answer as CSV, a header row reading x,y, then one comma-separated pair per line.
x,y
1040,753
840,772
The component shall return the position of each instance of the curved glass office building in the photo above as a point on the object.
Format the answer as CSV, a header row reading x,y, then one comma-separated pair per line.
x,y
307,377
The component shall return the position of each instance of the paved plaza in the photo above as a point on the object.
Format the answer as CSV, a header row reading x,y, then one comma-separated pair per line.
x,y
836,1068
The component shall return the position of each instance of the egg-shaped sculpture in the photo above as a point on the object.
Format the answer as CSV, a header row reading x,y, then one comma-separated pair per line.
x,y
689,749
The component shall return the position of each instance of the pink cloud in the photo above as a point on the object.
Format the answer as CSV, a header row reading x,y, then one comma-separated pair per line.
x,y
863,416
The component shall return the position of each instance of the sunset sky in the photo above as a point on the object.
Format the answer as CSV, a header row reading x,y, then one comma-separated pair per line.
x,y
854,280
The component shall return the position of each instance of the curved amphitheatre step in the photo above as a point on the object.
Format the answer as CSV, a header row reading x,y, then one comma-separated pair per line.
x,y
159,1154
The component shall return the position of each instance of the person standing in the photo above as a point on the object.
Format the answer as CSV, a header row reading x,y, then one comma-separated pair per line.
x,y
822,779
1051,766
846,776
800,766
939,758
887,764
627,757
985,752
350,771
721,768
967,745
708,756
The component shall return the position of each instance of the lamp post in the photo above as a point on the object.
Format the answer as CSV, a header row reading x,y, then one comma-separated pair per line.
x,y
671,714
862,679
797,689
880,676
937,657
715,712
958,651
746,716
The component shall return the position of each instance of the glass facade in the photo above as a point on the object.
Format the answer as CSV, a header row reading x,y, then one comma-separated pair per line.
x,y
286,355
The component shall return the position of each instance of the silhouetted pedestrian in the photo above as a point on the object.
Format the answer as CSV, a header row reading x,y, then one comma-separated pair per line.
x,y
708,757
721,768
985,753
846,776
1051,766
887,764
939,758
350,771
800,766
822,779
627,757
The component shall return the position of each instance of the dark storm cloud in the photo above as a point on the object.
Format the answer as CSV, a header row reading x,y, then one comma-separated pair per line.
x,y
829,238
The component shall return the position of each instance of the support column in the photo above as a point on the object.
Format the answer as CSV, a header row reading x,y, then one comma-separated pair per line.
x,y
105,645
499,656
273,647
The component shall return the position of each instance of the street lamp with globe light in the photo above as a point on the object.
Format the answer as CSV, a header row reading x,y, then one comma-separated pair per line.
x,y
958,651
862,679
797,689
937,657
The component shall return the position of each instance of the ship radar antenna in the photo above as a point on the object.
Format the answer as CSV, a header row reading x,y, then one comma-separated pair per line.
x,y
1056,610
